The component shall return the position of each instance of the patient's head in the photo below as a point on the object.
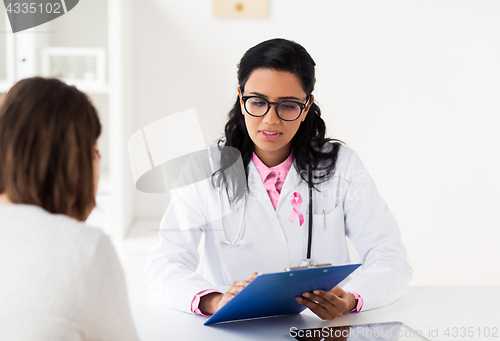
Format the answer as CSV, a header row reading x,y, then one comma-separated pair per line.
x,y
48,139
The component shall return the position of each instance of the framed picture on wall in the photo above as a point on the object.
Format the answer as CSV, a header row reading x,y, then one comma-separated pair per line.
x,y
83,67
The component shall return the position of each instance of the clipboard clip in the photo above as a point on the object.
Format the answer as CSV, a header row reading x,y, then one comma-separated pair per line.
x,y
307,264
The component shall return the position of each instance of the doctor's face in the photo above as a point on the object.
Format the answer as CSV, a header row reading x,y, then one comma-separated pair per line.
x,y
270,134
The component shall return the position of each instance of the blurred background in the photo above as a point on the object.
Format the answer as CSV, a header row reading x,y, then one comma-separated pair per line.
x,y
412,86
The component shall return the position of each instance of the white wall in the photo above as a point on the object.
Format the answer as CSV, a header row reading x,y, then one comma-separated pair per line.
x,y
412,86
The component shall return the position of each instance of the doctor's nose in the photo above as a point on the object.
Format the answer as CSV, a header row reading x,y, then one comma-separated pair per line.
x,y
272,116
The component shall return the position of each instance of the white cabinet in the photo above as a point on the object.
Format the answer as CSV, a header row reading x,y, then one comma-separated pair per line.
x,y
101,24
6,53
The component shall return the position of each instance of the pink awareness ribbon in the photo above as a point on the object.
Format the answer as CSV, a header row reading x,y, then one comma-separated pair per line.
x,y
296,201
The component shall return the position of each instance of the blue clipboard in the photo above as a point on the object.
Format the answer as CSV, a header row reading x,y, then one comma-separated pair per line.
x,y
274,294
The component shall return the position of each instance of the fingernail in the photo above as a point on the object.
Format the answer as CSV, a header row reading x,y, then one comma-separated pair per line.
x,y
316,292
298,299
306,294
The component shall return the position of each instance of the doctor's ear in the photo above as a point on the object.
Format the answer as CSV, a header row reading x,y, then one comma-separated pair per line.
x,y
240,95
306,109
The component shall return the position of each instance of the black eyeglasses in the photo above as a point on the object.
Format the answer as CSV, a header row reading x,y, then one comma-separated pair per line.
x,y
287,110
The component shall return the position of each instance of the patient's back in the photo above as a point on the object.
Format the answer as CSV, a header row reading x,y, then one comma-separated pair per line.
x,y
59,279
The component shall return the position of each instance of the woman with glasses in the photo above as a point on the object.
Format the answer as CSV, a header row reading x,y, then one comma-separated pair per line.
x,y
60,279
277,130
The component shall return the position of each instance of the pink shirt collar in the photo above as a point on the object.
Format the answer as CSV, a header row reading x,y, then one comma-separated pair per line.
x,y
282,168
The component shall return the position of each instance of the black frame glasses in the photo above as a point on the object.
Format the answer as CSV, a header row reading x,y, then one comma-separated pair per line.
x,y
277,104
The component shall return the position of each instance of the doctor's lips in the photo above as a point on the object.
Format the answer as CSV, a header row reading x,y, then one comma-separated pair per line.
x,y
270,135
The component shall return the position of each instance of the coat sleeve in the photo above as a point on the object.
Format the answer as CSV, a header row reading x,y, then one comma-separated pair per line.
x,y
171,265
374,232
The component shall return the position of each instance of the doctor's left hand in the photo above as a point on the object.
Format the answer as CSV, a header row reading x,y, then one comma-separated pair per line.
x,y
328,304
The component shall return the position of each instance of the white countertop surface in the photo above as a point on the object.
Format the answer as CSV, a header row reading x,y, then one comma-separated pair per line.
x,y
440,313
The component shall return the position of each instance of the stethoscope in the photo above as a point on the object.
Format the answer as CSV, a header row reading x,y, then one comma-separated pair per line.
x,y
305,263
226,241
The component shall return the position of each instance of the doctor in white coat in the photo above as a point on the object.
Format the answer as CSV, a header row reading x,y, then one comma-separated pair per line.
x,y
277,128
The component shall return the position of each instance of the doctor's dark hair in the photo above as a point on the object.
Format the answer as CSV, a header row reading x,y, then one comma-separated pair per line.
x,y
47,135
311,149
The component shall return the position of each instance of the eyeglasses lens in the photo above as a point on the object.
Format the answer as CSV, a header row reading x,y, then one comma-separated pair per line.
x,y
256,106
289,110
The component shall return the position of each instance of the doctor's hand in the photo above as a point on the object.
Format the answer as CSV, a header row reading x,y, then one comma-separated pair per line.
x,y
210,303
328,304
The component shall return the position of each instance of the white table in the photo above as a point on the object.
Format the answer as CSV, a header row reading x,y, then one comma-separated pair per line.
x,y
426,309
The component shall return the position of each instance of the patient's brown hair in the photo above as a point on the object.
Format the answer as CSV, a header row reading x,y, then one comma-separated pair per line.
x,y
47,134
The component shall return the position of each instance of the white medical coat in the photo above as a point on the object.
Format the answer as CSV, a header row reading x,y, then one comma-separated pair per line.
x,y
347,205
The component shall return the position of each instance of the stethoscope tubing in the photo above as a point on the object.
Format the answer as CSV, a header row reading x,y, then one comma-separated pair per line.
x,y
309,234
236,240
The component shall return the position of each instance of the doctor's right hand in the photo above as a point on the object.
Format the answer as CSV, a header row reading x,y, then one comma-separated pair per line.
x,y
210,303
